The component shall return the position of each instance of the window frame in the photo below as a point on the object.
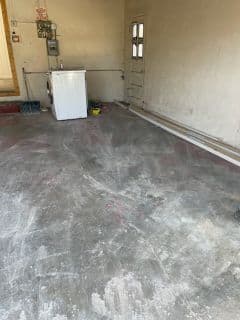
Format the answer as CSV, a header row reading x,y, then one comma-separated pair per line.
x,y
136,41
15,91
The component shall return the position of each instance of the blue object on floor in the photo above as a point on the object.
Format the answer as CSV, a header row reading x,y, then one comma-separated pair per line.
x,y
30,107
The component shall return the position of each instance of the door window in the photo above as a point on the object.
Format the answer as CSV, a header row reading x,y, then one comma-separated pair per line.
x,y
137,40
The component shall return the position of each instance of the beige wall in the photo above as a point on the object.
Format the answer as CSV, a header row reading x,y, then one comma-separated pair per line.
x,y
5,69
90,35
192,62
192,55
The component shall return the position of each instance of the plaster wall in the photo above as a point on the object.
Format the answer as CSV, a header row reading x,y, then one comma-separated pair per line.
x,y
90,35
192,62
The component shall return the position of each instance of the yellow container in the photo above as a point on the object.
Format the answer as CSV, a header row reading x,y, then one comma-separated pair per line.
x,y
96,111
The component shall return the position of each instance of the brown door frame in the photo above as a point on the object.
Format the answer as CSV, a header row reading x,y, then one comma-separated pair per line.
x,y
16,91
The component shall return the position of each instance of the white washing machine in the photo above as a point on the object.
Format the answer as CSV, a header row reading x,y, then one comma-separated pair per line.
x,y
68,92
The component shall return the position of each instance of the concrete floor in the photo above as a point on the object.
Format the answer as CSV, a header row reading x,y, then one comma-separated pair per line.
x,y
113,218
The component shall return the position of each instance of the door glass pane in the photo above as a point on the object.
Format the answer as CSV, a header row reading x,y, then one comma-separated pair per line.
x,y
140,50
140,30
134,33
134,50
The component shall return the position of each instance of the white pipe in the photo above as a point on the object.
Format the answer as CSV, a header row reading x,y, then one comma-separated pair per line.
x,y
183,136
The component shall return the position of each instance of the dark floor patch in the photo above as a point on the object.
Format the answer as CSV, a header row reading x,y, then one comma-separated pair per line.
x,y
237,215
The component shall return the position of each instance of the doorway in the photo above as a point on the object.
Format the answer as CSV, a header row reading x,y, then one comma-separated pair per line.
x,y
136,72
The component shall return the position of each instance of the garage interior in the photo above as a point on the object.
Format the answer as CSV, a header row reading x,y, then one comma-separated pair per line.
x,y
120,194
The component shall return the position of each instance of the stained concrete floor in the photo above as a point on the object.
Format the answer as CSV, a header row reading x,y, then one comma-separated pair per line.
x,y
113,218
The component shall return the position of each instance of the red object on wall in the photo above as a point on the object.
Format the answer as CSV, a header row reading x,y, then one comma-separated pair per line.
x,y
41,10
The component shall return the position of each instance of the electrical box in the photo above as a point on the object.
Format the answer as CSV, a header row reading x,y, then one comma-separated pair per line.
x,y
44,29
52,47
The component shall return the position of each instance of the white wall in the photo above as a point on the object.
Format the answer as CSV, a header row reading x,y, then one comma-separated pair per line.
x,y
90,35
192,62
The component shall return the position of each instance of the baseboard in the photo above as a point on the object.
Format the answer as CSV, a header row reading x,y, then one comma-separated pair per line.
x,y
208,143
